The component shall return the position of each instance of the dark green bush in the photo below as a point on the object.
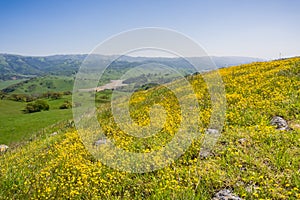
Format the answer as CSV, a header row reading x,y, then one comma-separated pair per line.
x,y
36,106
66,105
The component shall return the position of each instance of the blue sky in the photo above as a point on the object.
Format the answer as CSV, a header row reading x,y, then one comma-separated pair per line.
x,y
223,27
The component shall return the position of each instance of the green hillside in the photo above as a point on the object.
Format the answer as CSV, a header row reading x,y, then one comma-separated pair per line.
x,y
5,84
16,126
16,66
40,85
251,158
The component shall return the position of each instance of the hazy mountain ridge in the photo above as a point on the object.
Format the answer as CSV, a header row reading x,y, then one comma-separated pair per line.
x,y
17,66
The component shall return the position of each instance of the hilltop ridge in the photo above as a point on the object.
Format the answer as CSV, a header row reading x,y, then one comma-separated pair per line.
x,y
17,66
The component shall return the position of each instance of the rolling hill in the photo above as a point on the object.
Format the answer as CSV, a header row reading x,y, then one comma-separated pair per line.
x,y
28,74
16,66
252,158
40,85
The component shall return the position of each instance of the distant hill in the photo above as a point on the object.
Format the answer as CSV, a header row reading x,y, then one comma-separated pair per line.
x,y
220,61
39,85
18,67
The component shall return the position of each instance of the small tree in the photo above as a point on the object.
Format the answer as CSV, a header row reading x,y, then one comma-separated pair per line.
x,y
67,93
2,95
66,105
56,95
36,106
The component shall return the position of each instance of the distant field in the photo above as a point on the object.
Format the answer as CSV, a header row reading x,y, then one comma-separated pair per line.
x,y
38,85
16,126
45,84
4,84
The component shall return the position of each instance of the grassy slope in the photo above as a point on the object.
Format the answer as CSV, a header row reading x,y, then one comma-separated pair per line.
x,y
16,126
44,84
4,84
265,166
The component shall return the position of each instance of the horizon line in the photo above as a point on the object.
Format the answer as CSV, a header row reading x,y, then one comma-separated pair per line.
x,y
135,56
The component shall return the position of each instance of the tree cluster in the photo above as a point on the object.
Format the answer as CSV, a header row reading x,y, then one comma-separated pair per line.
x,y
36,106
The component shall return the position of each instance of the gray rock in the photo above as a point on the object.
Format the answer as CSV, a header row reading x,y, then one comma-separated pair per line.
x,y
205,153
3,148
251,188
210,139
225,195
53,134
101,141
211,131
242,141
280,123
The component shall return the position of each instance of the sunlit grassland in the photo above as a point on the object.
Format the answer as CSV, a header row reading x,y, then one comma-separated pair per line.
x,y
16,126
264,165
4,84
41,85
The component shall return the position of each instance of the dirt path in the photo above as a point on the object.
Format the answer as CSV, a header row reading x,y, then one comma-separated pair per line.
x,y
112,85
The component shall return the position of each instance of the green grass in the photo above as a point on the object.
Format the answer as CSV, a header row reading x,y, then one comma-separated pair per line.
x,y
16,126
263,165
4,84
44,84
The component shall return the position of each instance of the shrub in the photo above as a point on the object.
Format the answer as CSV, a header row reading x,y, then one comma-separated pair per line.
x,y
52,95
66,105
2,95
22,97
67,93
36,106
56,95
